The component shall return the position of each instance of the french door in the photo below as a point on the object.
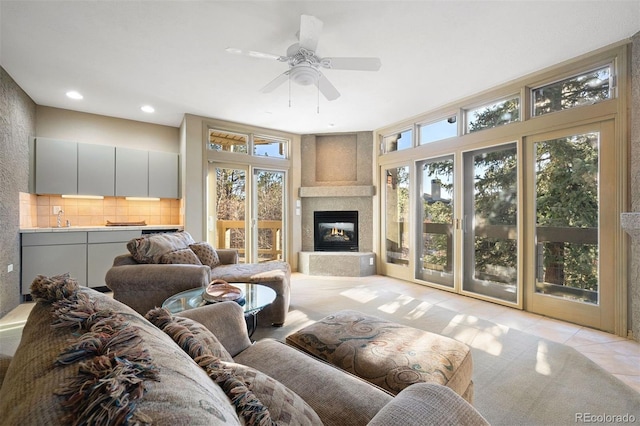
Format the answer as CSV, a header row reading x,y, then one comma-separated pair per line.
x,y
573,225
246,211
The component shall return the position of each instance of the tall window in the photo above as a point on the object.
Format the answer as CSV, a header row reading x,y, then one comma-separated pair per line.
x,y
397,215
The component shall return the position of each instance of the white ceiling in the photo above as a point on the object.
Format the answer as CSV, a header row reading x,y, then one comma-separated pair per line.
x,y
121,55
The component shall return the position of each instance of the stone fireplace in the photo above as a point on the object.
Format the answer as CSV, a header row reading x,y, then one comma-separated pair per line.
x,y
337,176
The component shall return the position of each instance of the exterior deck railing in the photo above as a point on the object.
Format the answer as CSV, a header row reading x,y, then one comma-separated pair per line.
x,y
269,243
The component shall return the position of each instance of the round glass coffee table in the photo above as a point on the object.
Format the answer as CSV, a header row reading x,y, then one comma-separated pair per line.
x,y
255,298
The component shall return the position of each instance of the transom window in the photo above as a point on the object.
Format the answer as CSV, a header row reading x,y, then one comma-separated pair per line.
x,y
398,141
438,130
583,89
493,115
268,146
220,140
262,145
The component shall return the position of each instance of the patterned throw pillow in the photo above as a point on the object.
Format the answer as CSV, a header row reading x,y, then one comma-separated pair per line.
x,y
184,256
150,248
206,253
190,335
285,406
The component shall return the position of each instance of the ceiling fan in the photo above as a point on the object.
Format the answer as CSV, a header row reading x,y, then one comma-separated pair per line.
x,y
305,65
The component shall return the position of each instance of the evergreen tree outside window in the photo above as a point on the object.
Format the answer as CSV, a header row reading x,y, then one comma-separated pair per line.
x,y
493,115
584,89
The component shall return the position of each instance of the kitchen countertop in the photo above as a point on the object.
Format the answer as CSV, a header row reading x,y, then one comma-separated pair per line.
x,y
101,228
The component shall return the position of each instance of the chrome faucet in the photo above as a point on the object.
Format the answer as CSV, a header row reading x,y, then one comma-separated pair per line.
x,y
60,218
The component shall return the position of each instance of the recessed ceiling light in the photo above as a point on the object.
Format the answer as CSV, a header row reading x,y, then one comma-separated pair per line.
x,y
147,108
74,95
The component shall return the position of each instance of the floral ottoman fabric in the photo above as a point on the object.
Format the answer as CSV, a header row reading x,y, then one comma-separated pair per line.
x,y
389,355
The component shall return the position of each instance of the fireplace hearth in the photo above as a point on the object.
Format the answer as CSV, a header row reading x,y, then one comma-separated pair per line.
x,y
335,231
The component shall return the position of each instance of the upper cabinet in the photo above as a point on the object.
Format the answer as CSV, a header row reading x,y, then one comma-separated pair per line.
x,y
163,174
132,172
96,169
63,167
146,173
56,166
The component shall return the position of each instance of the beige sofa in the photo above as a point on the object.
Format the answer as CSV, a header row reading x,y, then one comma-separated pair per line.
x,y
85,357
144,286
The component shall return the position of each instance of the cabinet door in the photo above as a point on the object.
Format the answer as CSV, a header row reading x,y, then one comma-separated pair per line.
x,y
103,247
96,169
53,260
56,166
163,174
132,172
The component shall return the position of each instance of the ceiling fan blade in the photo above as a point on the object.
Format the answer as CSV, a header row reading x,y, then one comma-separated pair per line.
x,y
253,53
310,29
276,82
356,64
327,89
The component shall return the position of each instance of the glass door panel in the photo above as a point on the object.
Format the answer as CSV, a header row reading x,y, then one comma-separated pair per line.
x,y
567,205
436,238
230,198
490,241
397,215
269,189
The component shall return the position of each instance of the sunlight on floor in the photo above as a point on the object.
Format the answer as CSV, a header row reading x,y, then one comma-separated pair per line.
x,y
393,306
542,364
419,311
359,294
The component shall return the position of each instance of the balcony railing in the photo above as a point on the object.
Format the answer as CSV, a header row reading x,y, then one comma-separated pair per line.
x,y
269,238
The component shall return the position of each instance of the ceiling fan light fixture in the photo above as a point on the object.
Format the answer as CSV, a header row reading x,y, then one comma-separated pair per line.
x,y
304,75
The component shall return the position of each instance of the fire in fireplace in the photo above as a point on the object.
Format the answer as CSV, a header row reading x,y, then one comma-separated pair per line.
x,y
335,230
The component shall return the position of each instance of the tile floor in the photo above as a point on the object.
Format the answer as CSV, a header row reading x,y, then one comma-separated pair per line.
x,y
617,355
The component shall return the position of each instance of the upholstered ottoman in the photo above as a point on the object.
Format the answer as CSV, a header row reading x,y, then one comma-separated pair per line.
x,y
392,356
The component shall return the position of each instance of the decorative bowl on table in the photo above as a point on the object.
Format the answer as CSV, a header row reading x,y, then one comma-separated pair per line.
x,y
221,291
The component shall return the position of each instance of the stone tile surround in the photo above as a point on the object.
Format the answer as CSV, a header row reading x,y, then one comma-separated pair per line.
x,y
337,174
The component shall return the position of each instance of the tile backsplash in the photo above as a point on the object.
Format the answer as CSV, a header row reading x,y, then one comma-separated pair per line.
x,y
37,211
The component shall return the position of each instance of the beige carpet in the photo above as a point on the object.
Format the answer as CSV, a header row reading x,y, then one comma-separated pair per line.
x,y
520,379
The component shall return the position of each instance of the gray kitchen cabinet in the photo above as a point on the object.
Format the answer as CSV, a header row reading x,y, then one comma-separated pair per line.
x,y
56,166
102,248
96,169
132,172
53,253
163,174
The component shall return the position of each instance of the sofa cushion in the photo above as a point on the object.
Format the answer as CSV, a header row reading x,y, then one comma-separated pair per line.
x,y
206,253
184,393
257,397
184,256
150,248
190,335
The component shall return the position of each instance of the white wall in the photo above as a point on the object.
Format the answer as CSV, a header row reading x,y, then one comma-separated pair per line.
x,y
81,127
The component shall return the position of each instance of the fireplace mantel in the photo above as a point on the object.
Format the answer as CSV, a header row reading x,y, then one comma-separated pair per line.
x,y
337,191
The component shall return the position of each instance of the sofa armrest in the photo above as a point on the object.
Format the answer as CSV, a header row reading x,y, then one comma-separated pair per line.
x,y
226,321
227,256
428,404
146,286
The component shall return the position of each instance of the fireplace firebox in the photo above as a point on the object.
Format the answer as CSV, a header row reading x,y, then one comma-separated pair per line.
x,y
335,231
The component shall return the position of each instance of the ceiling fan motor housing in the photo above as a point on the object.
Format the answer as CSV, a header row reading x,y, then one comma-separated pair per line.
x,y
304,74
